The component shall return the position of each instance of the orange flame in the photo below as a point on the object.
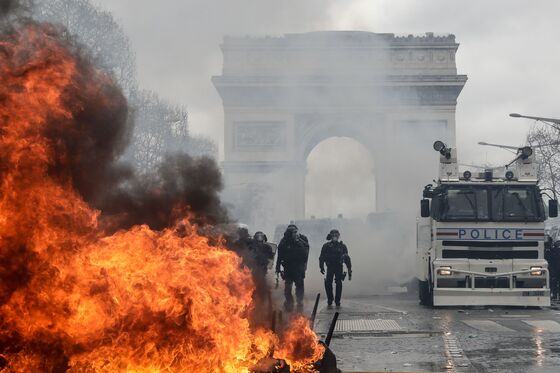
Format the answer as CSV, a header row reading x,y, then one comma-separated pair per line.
x,y
75,298
300,346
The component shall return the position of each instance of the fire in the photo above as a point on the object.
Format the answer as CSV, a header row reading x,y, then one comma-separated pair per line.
x,y
76,297
300,345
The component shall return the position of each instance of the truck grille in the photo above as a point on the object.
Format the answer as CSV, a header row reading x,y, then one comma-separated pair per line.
x,y
483,254
491,283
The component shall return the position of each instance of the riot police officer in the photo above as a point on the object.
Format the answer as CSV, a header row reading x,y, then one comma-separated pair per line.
x,y
243,240
261,251
334,254
293,252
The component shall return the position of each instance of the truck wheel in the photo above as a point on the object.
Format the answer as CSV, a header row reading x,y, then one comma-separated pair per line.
x,y
425,293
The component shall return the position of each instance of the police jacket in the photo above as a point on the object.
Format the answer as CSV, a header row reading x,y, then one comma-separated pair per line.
x,y
262,253
293,254
553,258
333,254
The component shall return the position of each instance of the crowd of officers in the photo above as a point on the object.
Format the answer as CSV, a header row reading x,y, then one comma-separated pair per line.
x,y
293,255
291,263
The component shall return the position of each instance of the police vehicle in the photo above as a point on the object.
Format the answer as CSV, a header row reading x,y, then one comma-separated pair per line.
x,y
480,237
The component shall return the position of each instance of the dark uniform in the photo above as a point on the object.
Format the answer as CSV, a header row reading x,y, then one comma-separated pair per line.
x,y
552,256
293,252
334,254
243,240
261,254
261,251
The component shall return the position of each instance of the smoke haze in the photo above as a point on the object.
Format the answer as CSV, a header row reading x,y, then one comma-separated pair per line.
x,y
177,48
177,45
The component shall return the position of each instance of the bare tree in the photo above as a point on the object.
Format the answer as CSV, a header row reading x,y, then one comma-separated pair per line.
x,y
548,155
202,146
98,31
160,127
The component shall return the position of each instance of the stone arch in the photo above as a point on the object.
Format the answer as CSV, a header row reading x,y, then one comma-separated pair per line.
x,y
283,95
340,185
323,133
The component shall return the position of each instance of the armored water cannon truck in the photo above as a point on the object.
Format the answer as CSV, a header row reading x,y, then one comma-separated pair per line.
x,y
480,237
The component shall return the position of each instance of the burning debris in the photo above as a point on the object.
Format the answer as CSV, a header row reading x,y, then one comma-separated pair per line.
x,y
101,271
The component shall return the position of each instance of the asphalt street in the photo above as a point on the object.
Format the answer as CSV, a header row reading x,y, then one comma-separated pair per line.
x,y
393,333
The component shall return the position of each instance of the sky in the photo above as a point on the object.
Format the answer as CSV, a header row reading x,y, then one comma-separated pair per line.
x,y
508,49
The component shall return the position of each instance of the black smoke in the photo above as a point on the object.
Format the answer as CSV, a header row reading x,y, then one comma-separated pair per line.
x,y
90,142
90,145
14,10
8,6
181,185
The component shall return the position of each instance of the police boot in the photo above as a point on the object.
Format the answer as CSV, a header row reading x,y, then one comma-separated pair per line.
x,y
329,291
338,295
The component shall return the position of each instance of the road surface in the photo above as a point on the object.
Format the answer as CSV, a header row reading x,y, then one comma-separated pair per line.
x,y
393,333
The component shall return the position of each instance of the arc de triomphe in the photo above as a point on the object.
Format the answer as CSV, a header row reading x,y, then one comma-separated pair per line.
x,y
284,95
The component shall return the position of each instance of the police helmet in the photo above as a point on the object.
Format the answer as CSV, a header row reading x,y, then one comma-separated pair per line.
x,y
333,232
291,228
260,236
243,231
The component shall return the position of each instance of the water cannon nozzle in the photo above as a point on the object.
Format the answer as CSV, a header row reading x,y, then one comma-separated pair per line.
x,y
441,148
526,152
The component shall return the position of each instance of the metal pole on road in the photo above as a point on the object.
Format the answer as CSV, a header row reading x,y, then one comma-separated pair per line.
x,y
331,329
314,313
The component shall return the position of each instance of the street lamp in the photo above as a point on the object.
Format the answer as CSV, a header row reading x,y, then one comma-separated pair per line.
x,y
524,150
539,119
507,147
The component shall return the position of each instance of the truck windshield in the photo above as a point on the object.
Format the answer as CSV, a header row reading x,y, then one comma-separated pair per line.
x,y
465,204
488,203
515,204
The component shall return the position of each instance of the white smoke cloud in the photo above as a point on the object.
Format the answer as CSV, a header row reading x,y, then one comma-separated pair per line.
x,y
506,48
